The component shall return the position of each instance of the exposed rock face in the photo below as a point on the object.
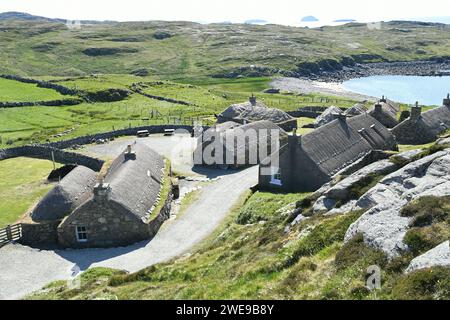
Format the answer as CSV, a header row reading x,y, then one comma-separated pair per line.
x,y
327,116
341,190
439,256
382,226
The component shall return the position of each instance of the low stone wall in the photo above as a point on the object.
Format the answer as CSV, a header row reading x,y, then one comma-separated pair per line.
x,y
45,152
42,84
307,112
40,234
51,103
289,125
154,129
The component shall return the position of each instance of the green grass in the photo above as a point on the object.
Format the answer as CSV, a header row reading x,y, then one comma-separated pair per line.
x,y
15,91
18,128
23,182
165,189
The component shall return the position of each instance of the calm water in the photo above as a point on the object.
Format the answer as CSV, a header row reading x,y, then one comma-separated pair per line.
x,y
406,89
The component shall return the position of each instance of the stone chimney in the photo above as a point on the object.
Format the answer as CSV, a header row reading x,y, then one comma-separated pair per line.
x,y
293,138
416,111
252,100
340,116
102,191
447,100
383,99
130,154
378,107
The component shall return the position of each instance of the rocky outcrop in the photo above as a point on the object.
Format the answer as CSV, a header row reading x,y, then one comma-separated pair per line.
x,y
382,225
439,256
341,192
95,52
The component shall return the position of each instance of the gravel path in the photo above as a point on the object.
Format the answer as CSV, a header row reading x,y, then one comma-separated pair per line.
x,y
25,270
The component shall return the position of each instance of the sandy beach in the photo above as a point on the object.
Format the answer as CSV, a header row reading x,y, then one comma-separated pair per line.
x,y
308,86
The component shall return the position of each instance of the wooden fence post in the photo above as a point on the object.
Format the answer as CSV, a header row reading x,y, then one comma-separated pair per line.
x,y
8,232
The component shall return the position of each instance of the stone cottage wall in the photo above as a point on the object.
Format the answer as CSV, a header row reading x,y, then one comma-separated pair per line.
x,y
39,234
109,224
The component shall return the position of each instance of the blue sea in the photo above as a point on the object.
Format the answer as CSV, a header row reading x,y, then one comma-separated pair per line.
x,y
405,89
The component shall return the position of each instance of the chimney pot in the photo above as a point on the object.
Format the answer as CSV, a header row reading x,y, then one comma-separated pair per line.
x,y
102,191
447,101
378,107
416,111
252,100
130,154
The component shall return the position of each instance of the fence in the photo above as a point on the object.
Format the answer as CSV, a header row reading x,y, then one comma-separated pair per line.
x,y
10,233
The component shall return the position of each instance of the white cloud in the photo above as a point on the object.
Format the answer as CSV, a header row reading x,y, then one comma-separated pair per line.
x,y
280,11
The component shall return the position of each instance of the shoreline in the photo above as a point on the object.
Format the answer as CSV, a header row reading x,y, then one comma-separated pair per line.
x,y
307,86
435,67
331,82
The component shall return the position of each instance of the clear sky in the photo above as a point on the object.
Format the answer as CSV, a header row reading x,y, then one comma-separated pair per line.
x,y
275,11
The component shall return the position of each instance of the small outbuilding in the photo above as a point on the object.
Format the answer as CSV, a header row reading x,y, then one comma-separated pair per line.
x,y
253,111
423,127
307,162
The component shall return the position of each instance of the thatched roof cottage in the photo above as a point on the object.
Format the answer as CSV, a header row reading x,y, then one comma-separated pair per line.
x,y
115,211
385,111
423,127
253,111
306,162
240,145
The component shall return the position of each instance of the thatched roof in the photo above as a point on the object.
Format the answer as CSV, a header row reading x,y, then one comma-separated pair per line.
x,y
246,139
385,111
136,184
72,191
356,110
253,112
341,142
425,128
327,116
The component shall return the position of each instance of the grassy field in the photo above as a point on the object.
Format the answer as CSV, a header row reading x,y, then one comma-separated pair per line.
x,y
253,256
208,97
14,91
23,182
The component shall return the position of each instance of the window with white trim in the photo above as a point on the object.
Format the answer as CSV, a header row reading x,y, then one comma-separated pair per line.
x,y
275,178
81,233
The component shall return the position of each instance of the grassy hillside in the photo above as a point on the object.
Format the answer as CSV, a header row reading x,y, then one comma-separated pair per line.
x,y
178,50
254,256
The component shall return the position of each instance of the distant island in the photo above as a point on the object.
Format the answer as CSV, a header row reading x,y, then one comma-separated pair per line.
x,y
309,19
255,21
345,20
